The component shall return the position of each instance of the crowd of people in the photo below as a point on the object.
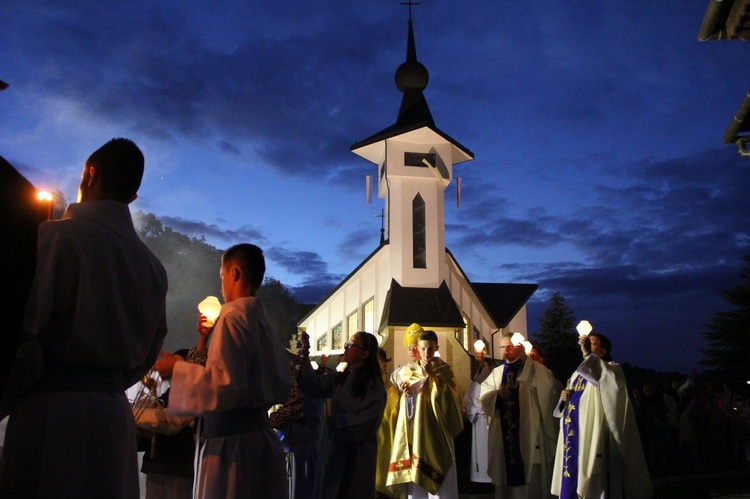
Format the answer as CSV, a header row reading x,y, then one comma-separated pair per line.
x,y
692,425
267,423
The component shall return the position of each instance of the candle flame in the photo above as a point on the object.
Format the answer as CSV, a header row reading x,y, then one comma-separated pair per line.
x,y
210,308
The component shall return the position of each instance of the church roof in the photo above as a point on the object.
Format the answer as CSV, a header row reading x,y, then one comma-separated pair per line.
x,y
313,308
503,300
433,307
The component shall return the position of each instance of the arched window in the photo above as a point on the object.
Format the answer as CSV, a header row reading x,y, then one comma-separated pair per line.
x,y
418,233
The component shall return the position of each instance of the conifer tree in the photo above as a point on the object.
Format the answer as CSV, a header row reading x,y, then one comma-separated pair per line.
x,y
558,339
728,335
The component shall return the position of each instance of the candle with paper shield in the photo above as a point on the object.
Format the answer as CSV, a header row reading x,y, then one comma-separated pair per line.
x,y
527,346
584,328
210,308
479,346
517,339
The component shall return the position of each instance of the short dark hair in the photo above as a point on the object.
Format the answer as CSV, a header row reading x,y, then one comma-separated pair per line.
x,y
429,335
383,355
606,344
120,164
249,258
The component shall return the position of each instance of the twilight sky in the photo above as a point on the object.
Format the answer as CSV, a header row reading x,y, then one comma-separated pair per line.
x,y
596,127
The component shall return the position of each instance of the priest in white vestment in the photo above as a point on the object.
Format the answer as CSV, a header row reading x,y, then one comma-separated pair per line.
x,y
519,397
599,452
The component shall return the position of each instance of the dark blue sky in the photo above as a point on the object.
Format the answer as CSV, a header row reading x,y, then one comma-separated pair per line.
x,y
596,126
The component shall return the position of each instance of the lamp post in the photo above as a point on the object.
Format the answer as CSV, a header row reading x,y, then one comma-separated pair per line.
x,y
45,201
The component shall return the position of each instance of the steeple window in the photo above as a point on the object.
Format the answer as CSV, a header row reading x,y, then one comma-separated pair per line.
x,y
418,233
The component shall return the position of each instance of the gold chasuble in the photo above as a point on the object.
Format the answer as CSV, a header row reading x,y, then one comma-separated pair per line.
x,y
429,419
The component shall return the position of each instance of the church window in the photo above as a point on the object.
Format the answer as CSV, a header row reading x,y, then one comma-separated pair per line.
x,y
368,312
337,336
416,159
462,334
322,342
418,233
352,323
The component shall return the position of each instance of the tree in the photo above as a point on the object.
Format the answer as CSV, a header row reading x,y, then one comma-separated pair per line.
x,y
558,339
59,203
192,267
282,308
728,335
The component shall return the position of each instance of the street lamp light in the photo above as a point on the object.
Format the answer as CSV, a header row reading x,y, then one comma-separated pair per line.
x,y
45,200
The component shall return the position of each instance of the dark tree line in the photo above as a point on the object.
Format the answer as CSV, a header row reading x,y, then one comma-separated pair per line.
x,y
192,267
727,336
727,350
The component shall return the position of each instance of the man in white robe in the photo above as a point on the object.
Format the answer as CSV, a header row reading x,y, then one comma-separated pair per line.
x,y
479,426
521,450
247,371
95,323
599,452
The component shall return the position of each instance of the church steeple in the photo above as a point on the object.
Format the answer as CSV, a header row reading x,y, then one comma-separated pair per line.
x,y
415,165
411,79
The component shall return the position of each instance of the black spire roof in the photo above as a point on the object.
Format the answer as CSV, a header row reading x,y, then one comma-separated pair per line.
x,y
411,79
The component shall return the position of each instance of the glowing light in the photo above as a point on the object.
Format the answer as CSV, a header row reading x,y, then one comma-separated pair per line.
x,y
340,368
44,196
584,328
210,307
479,346
314,365
527,346
517,339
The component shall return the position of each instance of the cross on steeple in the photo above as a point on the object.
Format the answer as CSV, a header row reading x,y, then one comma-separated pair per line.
x,y
409,3
382,226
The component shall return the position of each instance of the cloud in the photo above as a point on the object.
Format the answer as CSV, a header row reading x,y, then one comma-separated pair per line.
x,y
197,228
357,244
305,263
316,281
655,240
286,93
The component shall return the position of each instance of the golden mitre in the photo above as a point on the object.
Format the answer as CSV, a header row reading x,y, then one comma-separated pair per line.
x,y
411,336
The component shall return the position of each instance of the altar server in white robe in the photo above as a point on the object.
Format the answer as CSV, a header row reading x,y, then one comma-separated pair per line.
x,y
479,426
247,371
95,323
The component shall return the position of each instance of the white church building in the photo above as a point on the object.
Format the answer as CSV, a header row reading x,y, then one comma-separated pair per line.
x,y
411,276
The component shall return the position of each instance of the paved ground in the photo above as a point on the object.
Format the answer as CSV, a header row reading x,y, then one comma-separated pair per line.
x,y
730,484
